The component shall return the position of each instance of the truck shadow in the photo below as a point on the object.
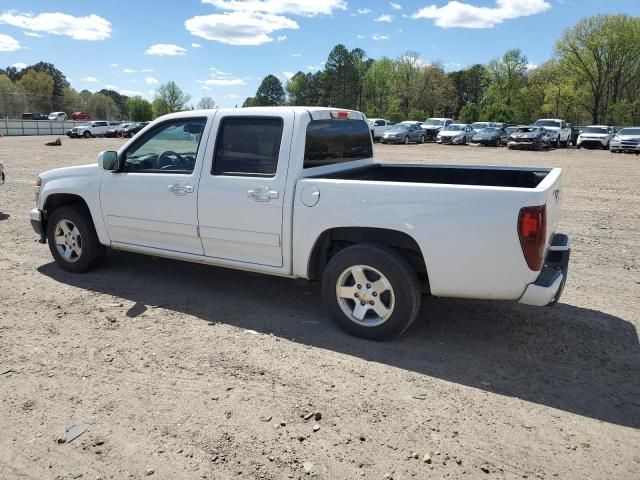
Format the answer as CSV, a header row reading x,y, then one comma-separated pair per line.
x,y
578,360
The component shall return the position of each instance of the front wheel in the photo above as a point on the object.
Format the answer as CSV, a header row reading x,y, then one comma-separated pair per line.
x,y
73,240
87,134
422,139
406,140
371,291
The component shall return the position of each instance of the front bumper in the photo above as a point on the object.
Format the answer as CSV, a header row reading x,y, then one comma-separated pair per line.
x,y
591,143
392,140
36,223
522,144
624,147
548,287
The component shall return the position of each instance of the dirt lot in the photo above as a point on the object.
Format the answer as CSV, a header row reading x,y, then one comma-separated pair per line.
x,y
181,371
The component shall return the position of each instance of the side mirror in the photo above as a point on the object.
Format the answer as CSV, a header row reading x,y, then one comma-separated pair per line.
x,y
108,160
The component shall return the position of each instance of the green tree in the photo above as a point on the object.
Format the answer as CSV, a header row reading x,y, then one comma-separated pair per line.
x,y
60,82
378,86
498,112
12,98
139,109
469,113
417,114
172,97
159,108
604,52
39,89
270,92
120,100
406,80
506,77
304,89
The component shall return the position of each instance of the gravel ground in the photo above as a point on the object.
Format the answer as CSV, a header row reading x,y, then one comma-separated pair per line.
x,y
181,371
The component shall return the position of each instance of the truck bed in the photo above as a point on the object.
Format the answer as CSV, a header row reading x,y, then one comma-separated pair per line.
x,y
443,174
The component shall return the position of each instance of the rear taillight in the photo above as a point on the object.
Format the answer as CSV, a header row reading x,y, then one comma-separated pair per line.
x,y
532,230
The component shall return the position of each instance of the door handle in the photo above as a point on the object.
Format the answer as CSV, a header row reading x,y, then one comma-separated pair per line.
x,y
263,194
180,189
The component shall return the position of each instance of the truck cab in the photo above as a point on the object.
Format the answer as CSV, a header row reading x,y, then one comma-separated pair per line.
x,y
561,131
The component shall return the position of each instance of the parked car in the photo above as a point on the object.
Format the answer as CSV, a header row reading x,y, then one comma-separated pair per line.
x,y
511,129
2,176
80,116
116,130
34,116
626,140
531,138
456,134
378,126
404,133
432,126
559,130
91,129
132,129
477,126
57,116
296,192
595,136
491,136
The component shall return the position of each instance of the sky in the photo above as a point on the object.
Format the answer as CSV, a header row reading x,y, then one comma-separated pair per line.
x,y
223,48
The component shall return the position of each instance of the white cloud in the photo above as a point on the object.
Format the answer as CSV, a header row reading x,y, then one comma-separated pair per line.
x,y
221,79
289,75
8,44
111,87
151,81
532,66
281,7
312,67
251,22
233,95
378,36
129,70
131,93
32,34
114,65
281,38
19,65
384,18
146,70
395,6
165,49
89,79
91,27
359,36
361,11
239,28
464,15
196,45
296,55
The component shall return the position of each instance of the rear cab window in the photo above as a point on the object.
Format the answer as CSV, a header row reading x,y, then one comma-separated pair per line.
x,y
333,141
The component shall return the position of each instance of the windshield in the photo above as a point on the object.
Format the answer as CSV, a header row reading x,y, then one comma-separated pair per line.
x,y
527,130
511,129
433,122
629,131
399,128
454,128
547,123
479,125
605,131
490,130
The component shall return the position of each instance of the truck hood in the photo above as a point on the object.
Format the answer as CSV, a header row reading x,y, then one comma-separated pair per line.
x,y
451,133
431,127
553,129
627,137
89,170
594,135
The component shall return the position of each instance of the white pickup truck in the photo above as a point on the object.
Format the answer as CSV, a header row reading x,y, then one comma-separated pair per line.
x,y
295,192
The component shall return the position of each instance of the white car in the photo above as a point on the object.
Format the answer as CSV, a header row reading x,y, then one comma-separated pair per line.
x,y
559,128
91,129
626,140
432,126
57,116
455,134
378,126
595,136
295,192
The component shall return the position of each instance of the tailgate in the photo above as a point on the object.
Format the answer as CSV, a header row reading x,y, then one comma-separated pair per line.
x,y
552,186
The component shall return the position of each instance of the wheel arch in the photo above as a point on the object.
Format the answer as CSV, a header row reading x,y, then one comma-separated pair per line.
x,y
333,240
57,200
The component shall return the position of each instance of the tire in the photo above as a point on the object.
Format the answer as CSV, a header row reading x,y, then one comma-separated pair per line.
x,y
400,300
406,140
422,139
557,143
87,134
76,219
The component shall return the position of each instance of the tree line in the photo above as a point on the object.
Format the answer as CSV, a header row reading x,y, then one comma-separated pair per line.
x,y
42,88
593,77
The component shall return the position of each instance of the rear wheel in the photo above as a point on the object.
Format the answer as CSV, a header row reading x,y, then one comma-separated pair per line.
x,y
371,291
422,139
73,240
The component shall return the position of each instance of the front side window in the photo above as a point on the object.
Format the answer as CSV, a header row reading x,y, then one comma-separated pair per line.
x,y
171,147
337,141
248,146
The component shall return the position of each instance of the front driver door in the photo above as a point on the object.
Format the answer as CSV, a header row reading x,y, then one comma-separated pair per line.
x,y
151,201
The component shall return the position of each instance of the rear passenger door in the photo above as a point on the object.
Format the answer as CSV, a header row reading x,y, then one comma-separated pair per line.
x,y
242,188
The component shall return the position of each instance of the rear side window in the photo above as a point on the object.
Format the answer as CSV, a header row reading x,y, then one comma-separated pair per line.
x,y
248,146
336,141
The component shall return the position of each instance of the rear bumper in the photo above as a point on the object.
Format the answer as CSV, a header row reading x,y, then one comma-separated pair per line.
x,y
548,287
